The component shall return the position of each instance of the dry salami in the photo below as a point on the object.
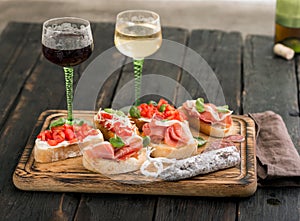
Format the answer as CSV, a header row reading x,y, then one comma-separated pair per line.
x,y
200,164
236,138
218,144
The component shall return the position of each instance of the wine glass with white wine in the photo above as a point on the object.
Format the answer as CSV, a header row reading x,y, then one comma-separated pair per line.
x,y
138,35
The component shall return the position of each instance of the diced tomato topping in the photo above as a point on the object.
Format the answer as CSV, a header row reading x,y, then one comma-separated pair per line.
x,y
167,111
161,102
58,135
73,140
106,115
58,128
52,142
70,133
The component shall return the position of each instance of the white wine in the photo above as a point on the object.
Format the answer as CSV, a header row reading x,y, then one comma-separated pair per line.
x,y
138,41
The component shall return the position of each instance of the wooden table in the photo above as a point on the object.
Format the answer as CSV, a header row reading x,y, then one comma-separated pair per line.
x,y
252,78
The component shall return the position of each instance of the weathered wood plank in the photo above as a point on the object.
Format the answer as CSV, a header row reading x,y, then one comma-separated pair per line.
x,y
186,208
271,204
270,83
116,207
222,52
37,205
36,95
20,50
10,40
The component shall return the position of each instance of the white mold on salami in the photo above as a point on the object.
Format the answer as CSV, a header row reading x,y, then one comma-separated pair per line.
x,y
200,164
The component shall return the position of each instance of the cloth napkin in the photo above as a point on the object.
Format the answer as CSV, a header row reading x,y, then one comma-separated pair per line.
x,y
278,162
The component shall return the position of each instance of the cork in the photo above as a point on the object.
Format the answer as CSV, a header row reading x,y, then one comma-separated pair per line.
x,y
283,51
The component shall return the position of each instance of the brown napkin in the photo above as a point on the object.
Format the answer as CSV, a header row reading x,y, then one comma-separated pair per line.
x,y
278,162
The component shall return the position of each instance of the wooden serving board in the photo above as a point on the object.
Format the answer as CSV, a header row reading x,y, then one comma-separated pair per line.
x,y
70,175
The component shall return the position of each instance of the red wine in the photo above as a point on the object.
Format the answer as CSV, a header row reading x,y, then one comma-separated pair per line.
x,y
68,58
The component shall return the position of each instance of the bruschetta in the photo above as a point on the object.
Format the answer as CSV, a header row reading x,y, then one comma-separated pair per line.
x,y
208,118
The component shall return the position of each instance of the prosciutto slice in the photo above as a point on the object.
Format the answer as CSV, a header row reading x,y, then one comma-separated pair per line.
x,y
210,115
101,150
174,133
106,151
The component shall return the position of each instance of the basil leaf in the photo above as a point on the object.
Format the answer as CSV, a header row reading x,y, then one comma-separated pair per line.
x,y
56,123
153,103
79,123
146,141
223,109
162,108
120,113
134,112
200,141
109,110
200,105
116,142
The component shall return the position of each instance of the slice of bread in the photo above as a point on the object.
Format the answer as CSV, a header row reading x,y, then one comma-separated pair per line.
x,y
139,122
164,150
107,134
108,166
44,153
206,128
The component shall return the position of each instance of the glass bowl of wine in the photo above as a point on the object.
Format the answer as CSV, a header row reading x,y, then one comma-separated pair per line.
x,y
67,42
138,35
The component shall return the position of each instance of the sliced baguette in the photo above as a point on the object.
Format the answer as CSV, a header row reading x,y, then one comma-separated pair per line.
x,y
206,128
164,150
48,154
107,166
107,134
139,122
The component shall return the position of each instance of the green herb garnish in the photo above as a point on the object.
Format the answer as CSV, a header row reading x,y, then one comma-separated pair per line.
x,y
223,109
56,123
200,105
162,108
79,122
112,111
146,141
120,113
109,110
116,142
153,103
134,112
200,141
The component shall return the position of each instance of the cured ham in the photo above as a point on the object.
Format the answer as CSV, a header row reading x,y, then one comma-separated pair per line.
x,y
106,150
208,118
210,114
112,122
101,150
173,133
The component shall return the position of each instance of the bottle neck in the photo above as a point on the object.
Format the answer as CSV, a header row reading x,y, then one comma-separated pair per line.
x,y
288,13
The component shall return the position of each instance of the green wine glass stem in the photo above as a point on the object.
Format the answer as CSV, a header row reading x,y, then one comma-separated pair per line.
x,y
69,93
138,68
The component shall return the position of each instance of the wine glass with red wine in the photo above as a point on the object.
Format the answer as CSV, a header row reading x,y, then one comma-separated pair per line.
x,y
67,42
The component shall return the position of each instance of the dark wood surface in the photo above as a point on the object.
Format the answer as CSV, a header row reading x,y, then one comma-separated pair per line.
x,y
252,79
